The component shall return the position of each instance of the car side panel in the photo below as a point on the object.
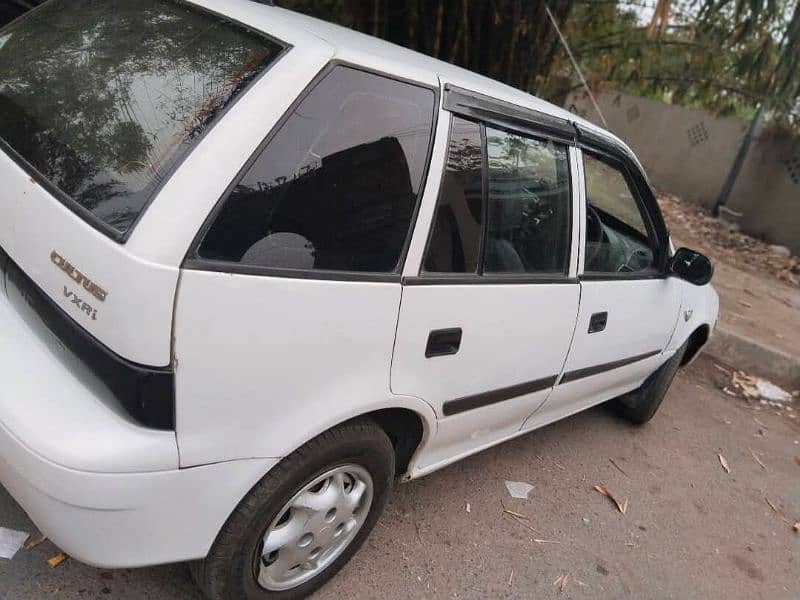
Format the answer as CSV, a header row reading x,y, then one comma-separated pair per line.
x,y
263,364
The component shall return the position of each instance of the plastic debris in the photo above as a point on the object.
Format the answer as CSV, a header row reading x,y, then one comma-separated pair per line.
x,y
756,388
770,391
11,541
519,489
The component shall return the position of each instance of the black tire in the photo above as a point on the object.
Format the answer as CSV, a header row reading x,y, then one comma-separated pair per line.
x,y
228,572
641,405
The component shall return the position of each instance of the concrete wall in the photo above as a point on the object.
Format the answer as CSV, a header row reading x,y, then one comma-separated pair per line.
x,y
689,152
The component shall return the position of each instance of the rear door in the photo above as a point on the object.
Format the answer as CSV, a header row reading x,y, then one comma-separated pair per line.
x,y
486,322
629,307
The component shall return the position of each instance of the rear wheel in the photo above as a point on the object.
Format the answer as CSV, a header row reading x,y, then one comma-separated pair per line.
x,y
301,523
641,405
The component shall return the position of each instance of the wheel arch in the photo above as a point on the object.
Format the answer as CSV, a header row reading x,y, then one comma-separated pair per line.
x,y
695,343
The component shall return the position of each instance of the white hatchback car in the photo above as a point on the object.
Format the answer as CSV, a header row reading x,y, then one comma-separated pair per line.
x,y
256,266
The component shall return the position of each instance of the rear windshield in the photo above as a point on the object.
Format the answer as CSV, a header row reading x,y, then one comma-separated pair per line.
x,y
102,97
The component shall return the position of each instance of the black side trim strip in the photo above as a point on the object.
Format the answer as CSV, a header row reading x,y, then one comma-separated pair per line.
x,y
459,405
472,279
589,371
147,393
485,108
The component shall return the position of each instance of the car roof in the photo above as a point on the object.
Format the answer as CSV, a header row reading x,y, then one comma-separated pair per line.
x,y
377,54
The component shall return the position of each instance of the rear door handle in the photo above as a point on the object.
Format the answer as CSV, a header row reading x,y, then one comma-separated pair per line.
x,y
443,342
598,322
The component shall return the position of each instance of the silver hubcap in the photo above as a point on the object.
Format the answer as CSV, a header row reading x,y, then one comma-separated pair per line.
x,y
314,527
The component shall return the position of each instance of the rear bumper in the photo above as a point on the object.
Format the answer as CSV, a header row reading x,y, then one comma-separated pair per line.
x,y
126,519
102,487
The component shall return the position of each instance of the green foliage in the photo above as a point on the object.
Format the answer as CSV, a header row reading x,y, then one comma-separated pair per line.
x,y
722,55
510,40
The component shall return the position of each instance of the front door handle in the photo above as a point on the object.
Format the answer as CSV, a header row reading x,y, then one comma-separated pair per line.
x,y
598,322
443,342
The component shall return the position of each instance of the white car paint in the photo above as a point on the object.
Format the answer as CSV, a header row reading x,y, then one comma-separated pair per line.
x,y
264,364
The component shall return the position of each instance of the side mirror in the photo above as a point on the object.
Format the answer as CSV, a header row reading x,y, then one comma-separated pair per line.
x,y
691,266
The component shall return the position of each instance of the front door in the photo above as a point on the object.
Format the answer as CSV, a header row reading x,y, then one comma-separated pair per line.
x,y
485,327
628,309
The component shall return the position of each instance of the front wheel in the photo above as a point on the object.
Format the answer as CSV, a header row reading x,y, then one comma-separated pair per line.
x,y
641,405
301,523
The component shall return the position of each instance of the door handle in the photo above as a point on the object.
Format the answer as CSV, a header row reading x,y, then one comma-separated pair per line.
x,y
598,322
443,342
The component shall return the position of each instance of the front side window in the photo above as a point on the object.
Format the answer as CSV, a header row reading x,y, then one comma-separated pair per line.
x,y
336,187
101,97
617,239
529,205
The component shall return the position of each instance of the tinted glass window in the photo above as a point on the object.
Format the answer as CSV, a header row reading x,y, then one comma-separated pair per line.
x,y
454,246
617,240
336,187
529,205
101,96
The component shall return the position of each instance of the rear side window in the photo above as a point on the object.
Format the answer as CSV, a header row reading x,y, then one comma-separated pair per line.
x,y
504,206
455,243
336,187
102,97
529,205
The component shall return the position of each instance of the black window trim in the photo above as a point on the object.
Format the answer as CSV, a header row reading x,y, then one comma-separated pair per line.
x,y
526,121
87,215
431,278
194,262
618,157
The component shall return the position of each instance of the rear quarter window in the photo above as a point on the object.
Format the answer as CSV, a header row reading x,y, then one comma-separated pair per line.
x,y
102,97
336,187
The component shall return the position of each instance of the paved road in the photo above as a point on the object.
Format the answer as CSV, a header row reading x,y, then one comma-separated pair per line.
x,y
691,530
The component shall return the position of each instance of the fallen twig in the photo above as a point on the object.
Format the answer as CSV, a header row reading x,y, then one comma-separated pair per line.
x,y
620,469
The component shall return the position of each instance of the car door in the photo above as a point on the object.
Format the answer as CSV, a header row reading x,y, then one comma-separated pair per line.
x,y
629,307
487,317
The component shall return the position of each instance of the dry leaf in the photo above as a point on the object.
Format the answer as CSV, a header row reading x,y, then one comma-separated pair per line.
x,y
622,506
34,541
562,582
797,460
724,463
796,527
777,511
57,560
758,460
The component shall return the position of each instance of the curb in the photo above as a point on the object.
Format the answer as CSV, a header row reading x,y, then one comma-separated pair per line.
x,y
743,353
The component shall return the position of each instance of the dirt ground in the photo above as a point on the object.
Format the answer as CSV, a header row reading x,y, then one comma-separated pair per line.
x,y
691,530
